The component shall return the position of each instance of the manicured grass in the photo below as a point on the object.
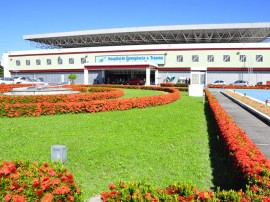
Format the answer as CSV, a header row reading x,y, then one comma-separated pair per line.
x,y
160,145
140,93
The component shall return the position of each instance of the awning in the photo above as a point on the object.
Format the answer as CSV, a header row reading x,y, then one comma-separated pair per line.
x,y
117,66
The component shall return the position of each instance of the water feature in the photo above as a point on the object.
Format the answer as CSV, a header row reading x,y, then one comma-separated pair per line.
x,y
42,89
260,95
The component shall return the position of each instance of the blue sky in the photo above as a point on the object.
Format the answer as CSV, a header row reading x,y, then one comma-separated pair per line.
x,y
21,17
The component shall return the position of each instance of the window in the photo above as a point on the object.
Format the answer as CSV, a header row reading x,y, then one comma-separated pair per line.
x,y
60,61
226,58
195,58
83,60
179,58
49,61
18,62
242,58
38,62
210,58
27,62
71,60
259,58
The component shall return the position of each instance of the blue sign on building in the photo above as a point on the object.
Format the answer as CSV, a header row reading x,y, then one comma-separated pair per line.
x,y
157,59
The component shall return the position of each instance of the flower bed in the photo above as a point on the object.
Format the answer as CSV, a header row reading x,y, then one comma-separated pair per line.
x,y
71,104
97,94
249,162
174,84
6,88
25,181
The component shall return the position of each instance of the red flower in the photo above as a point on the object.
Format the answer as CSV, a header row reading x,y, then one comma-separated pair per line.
x,y
69,176
61,190
55,181
78,190
123,185
147,196
205,195
36,182
181,198
51,172
8,197
64,178
19,198
47,198
7,168
39,193
45,185
112,186
70,198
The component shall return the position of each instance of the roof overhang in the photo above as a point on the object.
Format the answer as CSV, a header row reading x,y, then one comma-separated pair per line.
x,y
176,34
119,66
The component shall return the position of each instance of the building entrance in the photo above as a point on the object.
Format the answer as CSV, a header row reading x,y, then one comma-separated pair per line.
x,y
122,76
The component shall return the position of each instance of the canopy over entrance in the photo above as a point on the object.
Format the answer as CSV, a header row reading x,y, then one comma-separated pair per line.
x,y
122,66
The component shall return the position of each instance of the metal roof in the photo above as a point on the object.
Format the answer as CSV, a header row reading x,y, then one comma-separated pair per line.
x,y
176,34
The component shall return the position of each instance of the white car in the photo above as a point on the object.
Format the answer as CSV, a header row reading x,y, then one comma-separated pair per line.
x,y
241,83
21,79
218,82
6,80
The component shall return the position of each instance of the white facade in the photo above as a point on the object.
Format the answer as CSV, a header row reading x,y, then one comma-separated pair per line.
x,y
225,61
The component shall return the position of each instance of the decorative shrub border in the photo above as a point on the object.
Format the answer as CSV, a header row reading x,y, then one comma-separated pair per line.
x,y
168,84
97,94
87,106
248,159
6,88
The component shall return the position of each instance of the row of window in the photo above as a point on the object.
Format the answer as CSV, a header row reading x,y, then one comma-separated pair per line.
x,y
211,58
49,61
179,58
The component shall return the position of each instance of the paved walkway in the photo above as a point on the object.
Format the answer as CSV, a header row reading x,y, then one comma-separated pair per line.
x,y
256,130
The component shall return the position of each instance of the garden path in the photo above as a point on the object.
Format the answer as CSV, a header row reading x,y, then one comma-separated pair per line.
x,y
256,130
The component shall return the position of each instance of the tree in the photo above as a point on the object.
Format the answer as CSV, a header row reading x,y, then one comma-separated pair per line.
x,y
72,78
1,70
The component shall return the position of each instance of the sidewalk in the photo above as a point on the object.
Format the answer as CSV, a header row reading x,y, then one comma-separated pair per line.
x,y
255,129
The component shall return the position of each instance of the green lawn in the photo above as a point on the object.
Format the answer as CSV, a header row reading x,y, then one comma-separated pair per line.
x,y
140,93
160,145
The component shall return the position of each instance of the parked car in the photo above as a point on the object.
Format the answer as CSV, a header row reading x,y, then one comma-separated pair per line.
x,y
21,79
6,80
134,82
218,82
240,83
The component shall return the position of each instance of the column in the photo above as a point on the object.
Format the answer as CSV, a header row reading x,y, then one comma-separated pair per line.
x,y
156,77
85,76
147,81
102,77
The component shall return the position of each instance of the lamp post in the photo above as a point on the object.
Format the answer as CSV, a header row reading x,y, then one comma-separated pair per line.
x,y
59,153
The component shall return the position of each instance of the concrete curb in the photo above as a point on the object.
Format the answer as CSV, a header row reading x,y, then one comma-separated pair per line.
x,y
263,117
